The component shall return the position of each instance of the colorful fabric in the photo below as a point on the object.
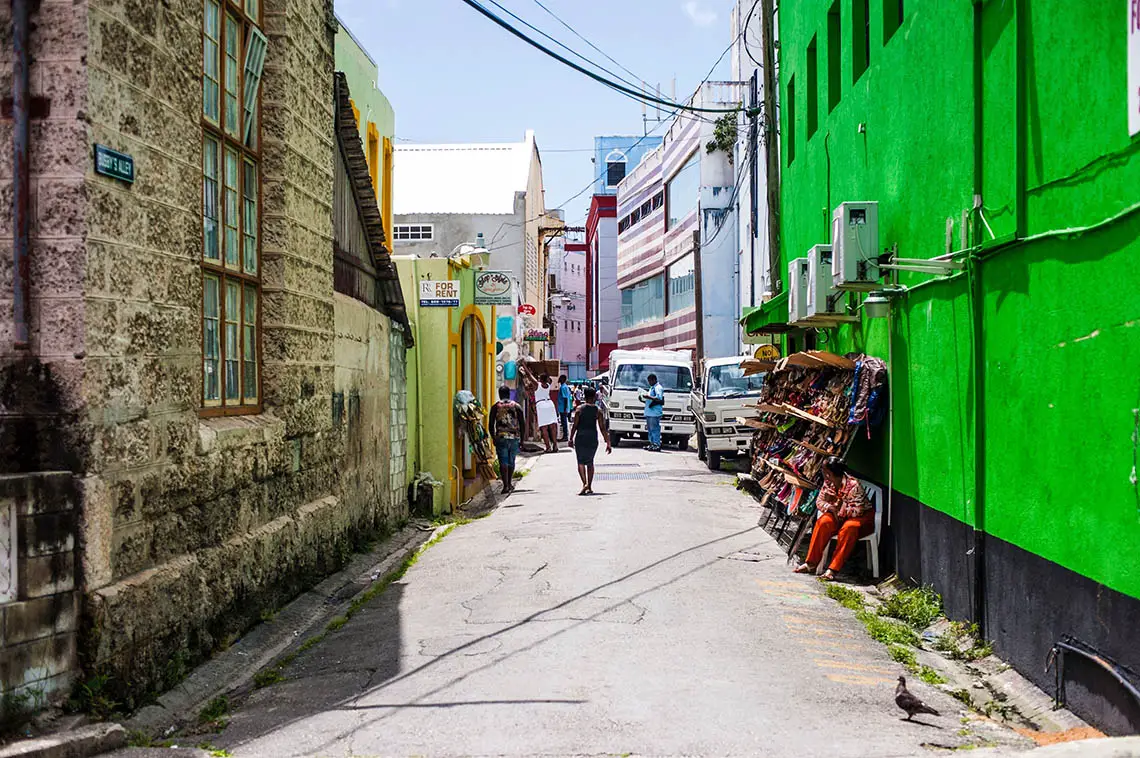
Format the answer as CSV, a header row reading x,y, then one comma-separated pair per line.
x,y
848,500
850,532
506,420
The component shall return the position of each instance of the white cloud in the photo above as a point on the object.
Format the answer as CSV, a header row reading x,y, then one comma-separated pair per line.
x,y
698,13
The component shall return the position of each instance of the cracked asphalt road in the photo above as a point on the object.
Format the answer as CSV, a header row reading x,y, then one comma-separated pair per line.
x,y
655,618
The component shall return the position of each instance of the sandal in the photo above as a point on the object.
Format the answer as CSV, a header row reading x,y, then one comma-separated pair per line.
x,y
804,568
827,576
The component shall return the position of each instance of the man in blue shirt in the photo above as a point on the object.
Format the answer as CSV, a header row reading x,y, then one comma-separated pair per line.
x,y
654,408
565,405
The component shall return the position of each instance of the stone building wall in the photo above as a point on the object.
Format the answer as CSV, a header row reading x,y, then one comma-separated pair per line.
x,y
398,435
43,445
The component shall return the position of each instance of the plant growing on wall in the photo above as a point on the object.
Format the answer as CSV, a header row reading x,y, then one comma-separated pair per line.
x,y
724,135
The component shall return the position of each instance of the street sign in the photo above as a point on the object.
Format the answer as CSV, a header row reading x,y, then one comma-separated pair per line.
x,y
494,288
526,309
767,353
114,164
537,335
439,294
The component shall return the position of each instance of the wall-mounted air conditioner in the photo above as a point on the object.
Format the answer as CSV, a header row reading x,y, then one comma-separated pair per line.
x,y
797,290
820,287
855,246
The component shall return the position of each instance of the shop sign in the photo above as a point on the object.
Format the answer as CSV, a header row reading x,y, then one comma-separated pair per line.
x,y
767,353
494,288
1133,66
114,164
526,309
439,294
537,335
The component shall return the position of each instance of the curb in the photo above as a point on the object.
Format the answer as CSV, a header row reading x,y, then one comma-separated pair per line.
x,y
234,668
77,743
1104,747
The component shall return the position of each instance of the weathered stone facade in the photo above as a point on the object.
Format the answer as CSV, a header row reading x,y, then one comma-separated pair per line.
x,y
188,527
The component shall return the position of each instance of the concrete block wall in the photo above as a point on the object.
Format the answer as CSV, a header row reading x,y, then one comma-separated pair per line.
x,y
39,624
398,435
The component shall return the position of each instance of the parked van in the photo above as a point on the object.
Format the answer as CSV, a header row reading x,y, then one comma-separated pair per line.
x,y
629,379
720,404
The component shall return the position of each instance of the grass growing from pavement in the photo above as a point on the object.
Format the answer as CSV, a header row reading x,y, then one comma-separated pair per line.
x,y
268,676
952,642
216,712
904,655
930,676
845,596
887,631
918,607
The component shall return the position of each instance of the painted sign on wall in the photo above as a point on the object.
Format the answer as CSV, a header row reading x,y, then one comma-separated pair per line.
x,y
436,294
537,335
494,288
526,309
1133,66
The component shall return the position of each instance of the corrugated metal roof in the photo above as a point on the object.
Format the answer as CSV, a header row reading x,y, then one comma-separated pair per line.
x,y
470,178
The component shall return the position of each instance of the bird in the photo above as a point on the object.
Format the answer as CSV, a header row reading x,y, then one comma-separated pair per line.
x,y
909,703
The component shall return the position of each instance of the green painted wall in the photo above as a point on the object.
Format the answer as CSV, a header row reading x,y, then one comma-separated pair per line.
x,y
361,72
1060,315
433,365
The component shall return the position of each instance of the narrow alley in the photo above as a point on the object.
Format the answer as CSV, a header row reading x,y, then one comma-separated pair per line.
x,y
654,618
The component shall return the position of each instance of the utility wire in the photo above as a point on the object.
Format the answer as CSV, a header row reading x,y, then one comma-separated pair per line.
x,y
565,47
621,88
588,42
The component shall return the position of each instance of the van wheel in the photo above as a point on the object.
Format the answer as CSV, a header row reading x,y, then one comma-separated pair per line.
x,y
615,439
713,461
682,443
702,448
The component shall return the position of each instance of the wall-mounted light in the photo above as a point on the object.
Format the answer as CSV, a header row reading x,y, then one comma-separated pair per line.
x,y
877,304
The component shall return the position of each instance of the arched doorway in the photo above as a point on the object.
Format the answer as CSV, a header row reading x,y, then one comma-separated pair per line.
x,y
472,376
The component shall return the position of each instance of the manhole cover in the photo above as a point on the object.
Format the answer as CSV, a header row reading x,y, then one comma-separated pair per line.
x,y
615,476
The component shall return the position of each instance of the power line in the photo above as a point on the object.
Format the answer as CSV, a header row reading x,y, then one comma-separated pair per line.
x,y
588,42
628,92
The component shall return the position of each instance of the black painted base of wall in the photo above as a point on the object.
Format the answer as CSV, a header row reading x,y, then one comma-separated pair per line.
x,y
1029,604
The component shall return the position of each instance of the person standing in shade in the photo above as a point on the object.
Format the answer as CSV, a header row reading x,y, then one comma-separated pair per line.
x,y
588,424
505,426
654,409
565,406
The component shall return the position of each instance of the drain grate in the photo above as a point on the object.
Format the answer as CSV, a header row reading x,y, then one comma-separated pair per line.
x,y
617,465
619,476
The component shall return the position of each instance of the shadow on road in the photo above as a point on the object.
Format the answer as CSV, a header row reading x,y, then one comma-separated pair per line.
x,y
365,659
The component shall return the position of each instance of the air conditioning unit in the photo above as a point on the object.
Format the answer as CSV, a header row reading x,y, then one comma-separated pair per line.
x,y
797,290
855,246
820,287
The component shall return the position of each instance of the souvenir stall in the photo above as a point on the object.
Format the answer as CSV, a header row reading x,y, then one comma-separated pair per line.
x,y
812,406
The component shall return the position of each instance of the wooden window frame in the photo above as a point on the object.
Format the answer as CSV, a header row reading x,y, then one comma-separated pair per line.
x,y
224,274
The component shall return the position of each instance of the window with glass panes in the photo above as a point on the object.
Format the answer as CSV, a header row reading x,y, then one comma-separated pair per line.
x,y
233,57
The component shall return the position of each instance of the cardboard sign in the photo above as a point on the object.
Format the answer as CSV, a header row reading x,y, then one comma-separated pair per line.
x,y
439,294
494,288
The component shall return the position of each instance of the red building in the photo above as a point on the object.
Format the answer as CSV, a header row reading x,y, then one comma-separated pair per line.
x,y
603,298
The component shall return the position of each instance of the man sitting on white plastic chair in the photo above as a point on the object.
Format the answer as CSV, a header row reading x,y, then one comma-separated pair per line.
x,y
843,506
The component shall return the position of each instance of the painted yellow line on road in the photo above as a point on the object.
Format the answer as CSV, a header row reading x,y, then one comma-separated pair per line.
x,y
851,666
866,681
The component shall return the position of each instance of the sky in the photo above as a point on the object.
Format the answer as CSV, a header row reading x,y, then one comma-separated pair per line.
x,y
453,76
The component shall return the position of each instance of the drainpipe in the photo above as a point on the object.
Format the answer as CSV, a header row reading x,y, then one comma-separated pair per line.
x,y
21,10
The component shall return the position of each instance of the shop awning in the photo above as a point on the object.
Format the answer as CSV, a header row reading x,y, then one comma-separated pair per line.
x,y
769,318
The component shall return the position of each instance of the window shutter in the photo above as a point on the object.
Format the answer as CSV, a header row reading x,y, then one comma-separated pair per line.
x,y
254,63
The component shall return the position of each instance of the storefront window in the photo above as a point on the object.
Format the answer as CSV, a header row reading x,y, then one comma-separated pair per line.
x,y
644,301
682,190
682,284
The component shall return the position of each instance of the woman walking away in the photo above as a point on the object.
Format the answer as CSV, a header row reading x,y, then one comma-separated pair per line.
x,y
843,507
547,414
506,430
588,423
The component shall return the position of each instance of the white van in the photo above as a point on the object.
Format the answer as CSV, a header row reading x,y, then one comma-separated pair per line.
x,y
722,402
628,380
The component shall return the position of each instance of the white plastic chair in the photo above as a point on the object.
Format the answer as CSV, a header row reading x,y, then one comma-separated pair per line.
x,y
875,494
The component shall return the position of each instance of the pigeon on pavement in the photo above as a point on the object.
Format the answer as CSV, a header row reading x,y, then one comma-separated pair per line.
x,y
909,703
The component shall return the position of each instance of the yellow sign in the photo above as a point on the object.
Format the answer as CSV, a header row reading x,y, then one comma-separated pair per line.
x,y
767,353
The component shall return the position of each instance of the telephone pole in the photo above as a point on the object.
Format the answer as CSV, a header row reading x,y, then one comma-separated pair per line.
x,y
771,151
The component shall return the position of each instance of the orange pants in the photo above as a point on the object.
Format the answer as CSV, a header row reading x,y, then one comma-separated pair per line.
x,y
849,533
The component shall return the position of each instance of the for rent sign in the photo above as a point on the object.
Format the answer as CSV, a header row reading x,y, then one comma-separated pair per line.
x,y
1133,66
436,294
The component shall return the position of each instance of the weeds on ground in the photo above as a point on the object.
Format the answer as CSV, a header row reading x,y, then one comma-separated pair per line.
x,y
93,697
267,677
311,642
962,696
214,751
930,676
337,623
215,713
139,738
918,607
845,596
886,631
16,708
904,655
952,642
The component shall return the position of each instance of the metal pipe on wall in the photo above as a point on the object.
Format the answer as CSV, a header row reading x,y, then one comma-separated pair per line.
x,y
21,189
